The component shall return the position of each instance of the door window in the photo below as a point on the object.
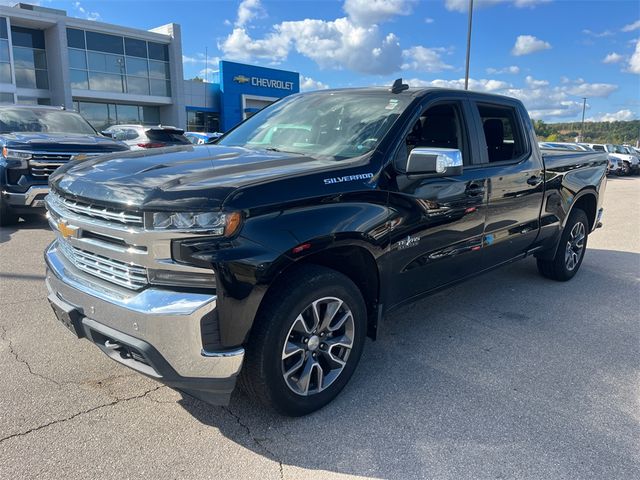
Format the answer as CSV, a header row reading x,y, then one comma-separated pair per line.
x,y
439,126
502,133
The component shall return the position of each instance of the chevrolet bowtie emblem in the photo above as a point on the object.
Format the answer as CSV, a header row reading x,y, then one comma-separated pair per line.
x,y
241,79
81,156
66,230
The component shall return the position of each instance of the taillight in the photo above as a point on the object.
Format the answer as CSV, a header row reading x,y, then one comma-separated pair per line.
x,y
151,145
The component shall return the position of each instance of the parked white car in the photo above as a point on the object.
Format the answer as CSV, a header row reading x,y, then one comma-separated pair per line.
x,y
620,162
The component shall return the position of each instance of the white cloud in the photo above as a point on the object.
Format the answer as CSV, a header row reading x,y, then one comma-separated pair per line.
x,y
336,43
634,61
482,85
590,90
543,100
240,46
632,26
199,59
368,12
613,57
591,33
207,73
429,20
619,116
424,59
527,44
513,69
247,11
533,83
463,5
86,13
308,83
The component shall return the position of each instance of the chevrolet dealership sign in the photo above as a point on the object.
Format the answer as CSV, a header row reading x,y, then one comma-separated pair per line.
x,y
264,82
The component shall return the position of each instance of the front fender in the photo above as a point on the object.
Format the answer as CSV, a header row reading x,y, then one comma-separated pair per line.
x,y
247,266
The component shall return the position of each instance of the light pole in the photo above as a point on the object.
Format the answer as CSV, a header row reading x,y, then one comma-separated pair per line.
x,y
466,75
584,106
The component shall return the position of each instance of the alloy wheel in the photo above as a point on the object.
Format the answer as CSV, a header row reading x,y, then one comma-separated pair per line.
x,y
317,346
575,246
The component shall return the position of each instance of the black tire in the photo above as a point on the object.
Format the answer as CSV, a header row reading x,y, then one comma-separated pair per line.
x,y
262,374
7,217
560,268
626,168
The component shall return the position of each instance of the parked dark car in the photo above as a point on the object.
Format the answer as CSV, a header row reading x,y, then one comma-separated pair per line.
x,y
140,137
34,142
270,256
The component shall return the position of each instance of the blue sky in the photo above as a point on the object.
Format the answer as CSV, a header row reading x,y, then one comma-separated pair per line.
x,y
548,53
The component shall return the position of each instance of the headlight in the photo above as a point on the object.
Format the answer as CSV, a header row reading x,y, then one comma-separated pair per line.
x,y
16,158
215,223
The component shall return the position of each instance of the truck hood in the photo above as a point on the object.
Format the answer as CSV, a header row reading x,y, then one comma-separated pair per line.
x,y
176,178
62,142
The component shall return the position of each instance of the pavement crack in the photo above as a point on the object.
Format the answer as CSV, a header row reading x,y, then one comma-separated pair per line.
x,y
18,358
256,440
78,414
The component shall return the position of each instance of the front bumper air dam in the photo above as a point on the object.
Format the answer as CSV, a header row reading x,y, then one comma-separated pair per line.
x,y
155,332
32,198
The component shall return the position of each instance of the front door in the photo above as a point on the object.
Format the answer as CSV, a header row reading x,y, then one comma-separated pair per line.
x,y
436,224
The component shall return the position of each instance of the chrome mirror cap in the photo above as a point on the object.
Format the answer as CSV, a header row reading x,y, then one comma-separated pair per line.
x,y
434,161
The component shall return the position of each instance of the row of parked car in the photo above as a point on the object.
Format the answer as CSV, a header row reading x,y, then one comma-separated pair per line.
x,y
36,140
623,159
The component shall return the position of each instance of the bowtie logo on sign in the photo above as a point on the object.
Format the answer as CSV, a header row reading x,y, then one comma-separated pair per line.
x,y
241,79
264,82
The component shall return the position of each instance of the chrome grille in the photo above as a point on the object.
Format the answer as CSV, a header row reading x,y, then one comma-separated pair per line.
x,y
124,274
44,164
97,211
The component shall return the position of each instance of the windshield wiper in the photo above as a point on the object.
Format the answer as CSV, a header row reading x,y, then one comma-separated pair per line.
x,y
274,149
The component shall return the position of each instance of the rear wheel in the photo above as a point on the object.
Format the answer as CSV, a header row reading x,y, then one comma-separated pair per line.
x,y
306,342
571,249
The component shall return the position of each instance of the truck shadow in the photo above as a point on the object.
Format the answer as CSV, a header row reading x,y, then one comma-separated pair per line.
x,y
507,373
32,222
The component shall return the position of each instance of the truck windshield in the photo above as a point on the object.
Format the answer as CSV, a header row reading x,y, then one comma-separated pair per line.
x,y
43,120
337,125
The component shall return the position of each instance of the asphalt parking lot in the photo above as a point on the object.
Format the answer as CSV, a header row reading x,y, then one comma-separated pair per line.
x,y
508,376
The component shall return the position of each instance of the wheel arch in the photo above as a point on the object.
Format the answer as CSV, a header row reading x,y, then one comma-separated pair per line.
x,y
355,262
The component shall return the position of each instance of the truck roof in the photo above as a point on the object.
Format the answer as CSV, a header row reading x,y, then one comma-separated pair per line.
x,y
416,92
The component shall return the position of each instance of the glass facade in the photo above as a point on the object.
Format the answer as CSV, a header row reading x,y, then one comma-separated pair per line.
x,y
199,121
5,65
112,63
6,97
29,58
103,115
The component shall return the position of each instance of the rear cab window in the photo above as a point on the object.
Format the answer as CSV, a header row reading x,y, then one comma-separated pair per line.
x,y
502,132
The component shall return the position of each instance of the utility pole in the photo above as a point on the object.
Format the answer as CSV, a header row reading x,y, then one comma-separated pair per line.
x,y
466,75
584,106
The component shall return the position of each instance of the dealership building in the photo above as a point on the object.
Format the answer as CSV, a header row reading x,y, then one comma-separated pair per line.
x,y
113,74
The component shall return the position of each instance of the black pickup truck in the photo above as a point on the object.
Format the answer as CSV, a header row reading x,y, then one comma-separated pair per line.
x,y
270,256
34,141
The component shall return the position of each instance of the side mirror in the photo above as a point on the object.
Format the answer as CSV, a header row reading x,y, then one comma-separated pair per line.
x,y
107,134
437,162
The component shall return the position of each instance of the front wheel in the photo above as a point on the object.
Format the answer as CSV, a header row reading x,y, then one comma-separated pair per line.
x,y
571,249
306,342
626,168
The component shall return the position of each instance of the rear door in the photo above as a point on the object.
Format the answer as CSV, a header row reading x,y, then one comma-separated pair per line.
x,y
436,223
514,169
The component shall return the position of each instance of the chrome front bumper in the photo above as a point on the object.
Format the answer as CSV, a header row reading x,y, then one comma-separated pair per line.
x,y
167,321
28,198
